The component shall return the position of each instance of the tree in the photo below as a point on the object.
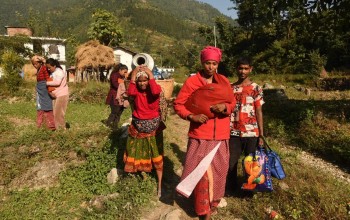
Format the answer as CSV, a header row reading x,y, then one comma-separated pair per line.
x,y
284,36
38,22
16,44
12,64
105,28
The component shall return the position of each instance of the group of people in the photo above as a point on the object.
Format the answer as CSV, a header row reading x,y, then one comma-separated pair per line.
x,y
52,93
225,119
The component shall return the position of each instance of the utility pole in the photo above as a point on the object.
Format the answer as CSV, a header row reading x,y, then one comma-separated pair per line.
x,y
214,37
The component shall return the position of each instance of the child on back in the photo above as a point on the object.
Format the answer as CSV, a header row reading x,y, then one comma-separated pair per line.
x,y
246,120
144,148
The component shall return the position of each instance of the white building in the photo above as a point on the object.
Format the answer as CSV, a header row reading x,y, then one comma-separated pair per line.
x,y
124,56
50,47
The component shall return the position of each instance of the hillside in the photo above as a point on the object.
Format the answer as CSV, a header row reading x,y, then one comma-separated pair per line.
x,y
152,26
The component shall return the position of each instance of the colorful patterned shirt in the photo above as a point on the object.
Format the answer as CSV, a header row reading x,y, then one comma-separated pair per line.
x,y
243,119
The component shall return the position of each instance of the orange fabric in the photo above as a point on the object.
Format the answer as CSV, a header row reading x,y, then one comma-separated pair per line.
x,y
50,88
132,165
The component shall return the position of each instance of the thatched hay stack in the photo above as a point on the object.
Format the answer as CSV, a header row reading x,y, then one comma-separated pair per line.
x,y
29,72
90,58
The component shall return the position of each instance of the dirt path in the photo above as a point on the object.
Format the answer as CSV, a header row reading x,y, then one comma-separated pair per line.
x,y
171,205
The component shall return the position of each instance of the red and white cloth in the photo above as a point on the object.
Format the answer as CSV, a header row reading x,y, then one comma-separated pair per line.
x,y
243,119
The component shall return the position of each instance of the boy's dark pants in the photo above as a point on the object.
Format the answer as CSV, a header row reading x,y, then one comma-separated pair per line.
x,y
236,146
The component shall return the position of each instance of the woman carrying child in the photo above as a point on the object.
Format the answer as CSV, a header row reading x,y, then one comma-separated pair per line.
x,y
60,94
206,100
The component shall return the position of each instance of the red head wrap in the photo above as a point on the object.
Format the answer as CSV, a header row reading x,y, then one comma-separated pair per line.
x,y
210,53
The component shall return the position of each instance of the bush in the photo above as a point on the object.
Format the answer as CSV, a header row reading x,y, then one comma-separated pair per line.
x,y
317,62
11,65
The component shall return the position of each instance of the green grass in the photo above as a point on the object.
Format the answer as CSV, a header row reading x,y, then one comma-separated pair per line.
x,y
316,124
84,178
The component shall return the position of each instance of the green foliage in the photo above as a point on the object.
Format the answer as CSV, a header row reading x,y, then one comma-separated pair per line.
x,y
35,20
85,175
155,26
15,43
312,137
317,62
11,64
288,36
90,178
92,92
105,28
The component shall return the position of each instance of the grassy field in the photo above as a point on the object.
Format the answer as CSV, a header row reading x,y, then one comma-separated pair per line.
x,y
81,157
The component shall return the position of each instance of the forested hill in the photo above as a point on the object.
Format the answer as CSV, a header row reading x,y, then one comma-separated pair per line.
x,y
75,15
166,28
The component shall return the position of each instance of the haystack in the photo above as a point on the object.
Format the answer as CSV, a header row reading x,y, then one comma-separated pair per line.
x,y
92,58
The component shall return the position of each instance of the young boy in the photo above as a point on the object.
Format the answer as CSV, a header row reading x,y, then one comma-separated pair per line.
x,y
246,120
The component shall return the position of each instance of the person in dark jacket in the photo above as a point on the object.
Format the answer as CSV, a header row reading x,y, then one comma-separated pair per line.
x,y
116,79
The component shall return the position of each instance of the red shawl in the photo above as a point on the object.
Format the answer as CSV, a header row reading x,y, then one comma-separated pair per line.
x,y
210,94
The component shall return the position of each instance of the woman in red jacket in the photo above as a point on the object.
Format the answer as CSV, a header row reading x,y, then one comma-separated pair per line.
x,y
144,148
206,100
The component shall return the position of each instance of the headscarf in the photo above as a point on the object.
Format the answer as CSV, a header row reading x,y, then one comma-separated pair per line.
x,y
37,58
142,73
211,53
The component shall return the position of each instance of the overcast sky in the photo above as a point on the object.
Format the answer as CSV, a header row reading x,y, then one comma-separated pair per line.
x,y
222,6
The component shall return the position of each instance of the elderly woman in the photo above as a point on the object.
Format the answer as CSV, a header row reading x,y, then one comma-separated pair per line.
x,y
144,149
43,100
206,100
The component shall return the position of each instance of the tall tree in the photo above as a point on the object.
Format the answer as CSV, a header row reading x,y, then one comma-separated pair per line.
x,y
286,36
105,28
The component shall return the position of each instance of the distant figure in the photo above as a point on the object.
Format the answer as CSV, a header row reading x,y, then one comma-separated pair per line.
x,y
115,100
43,100
60,94
144,149
206,100
246,120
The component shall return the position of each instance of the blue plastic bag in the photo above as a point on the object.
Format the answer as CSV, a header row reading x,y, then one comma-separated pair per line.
x,y
275,163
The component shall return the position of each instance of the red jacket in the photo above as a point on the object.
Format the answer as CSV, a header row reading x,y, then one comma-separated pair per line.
x,y
146,102
217,128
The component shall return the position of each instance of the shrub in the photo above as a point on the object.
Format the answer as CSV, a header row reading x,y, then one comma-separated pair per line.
x,y
316,62
12,64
